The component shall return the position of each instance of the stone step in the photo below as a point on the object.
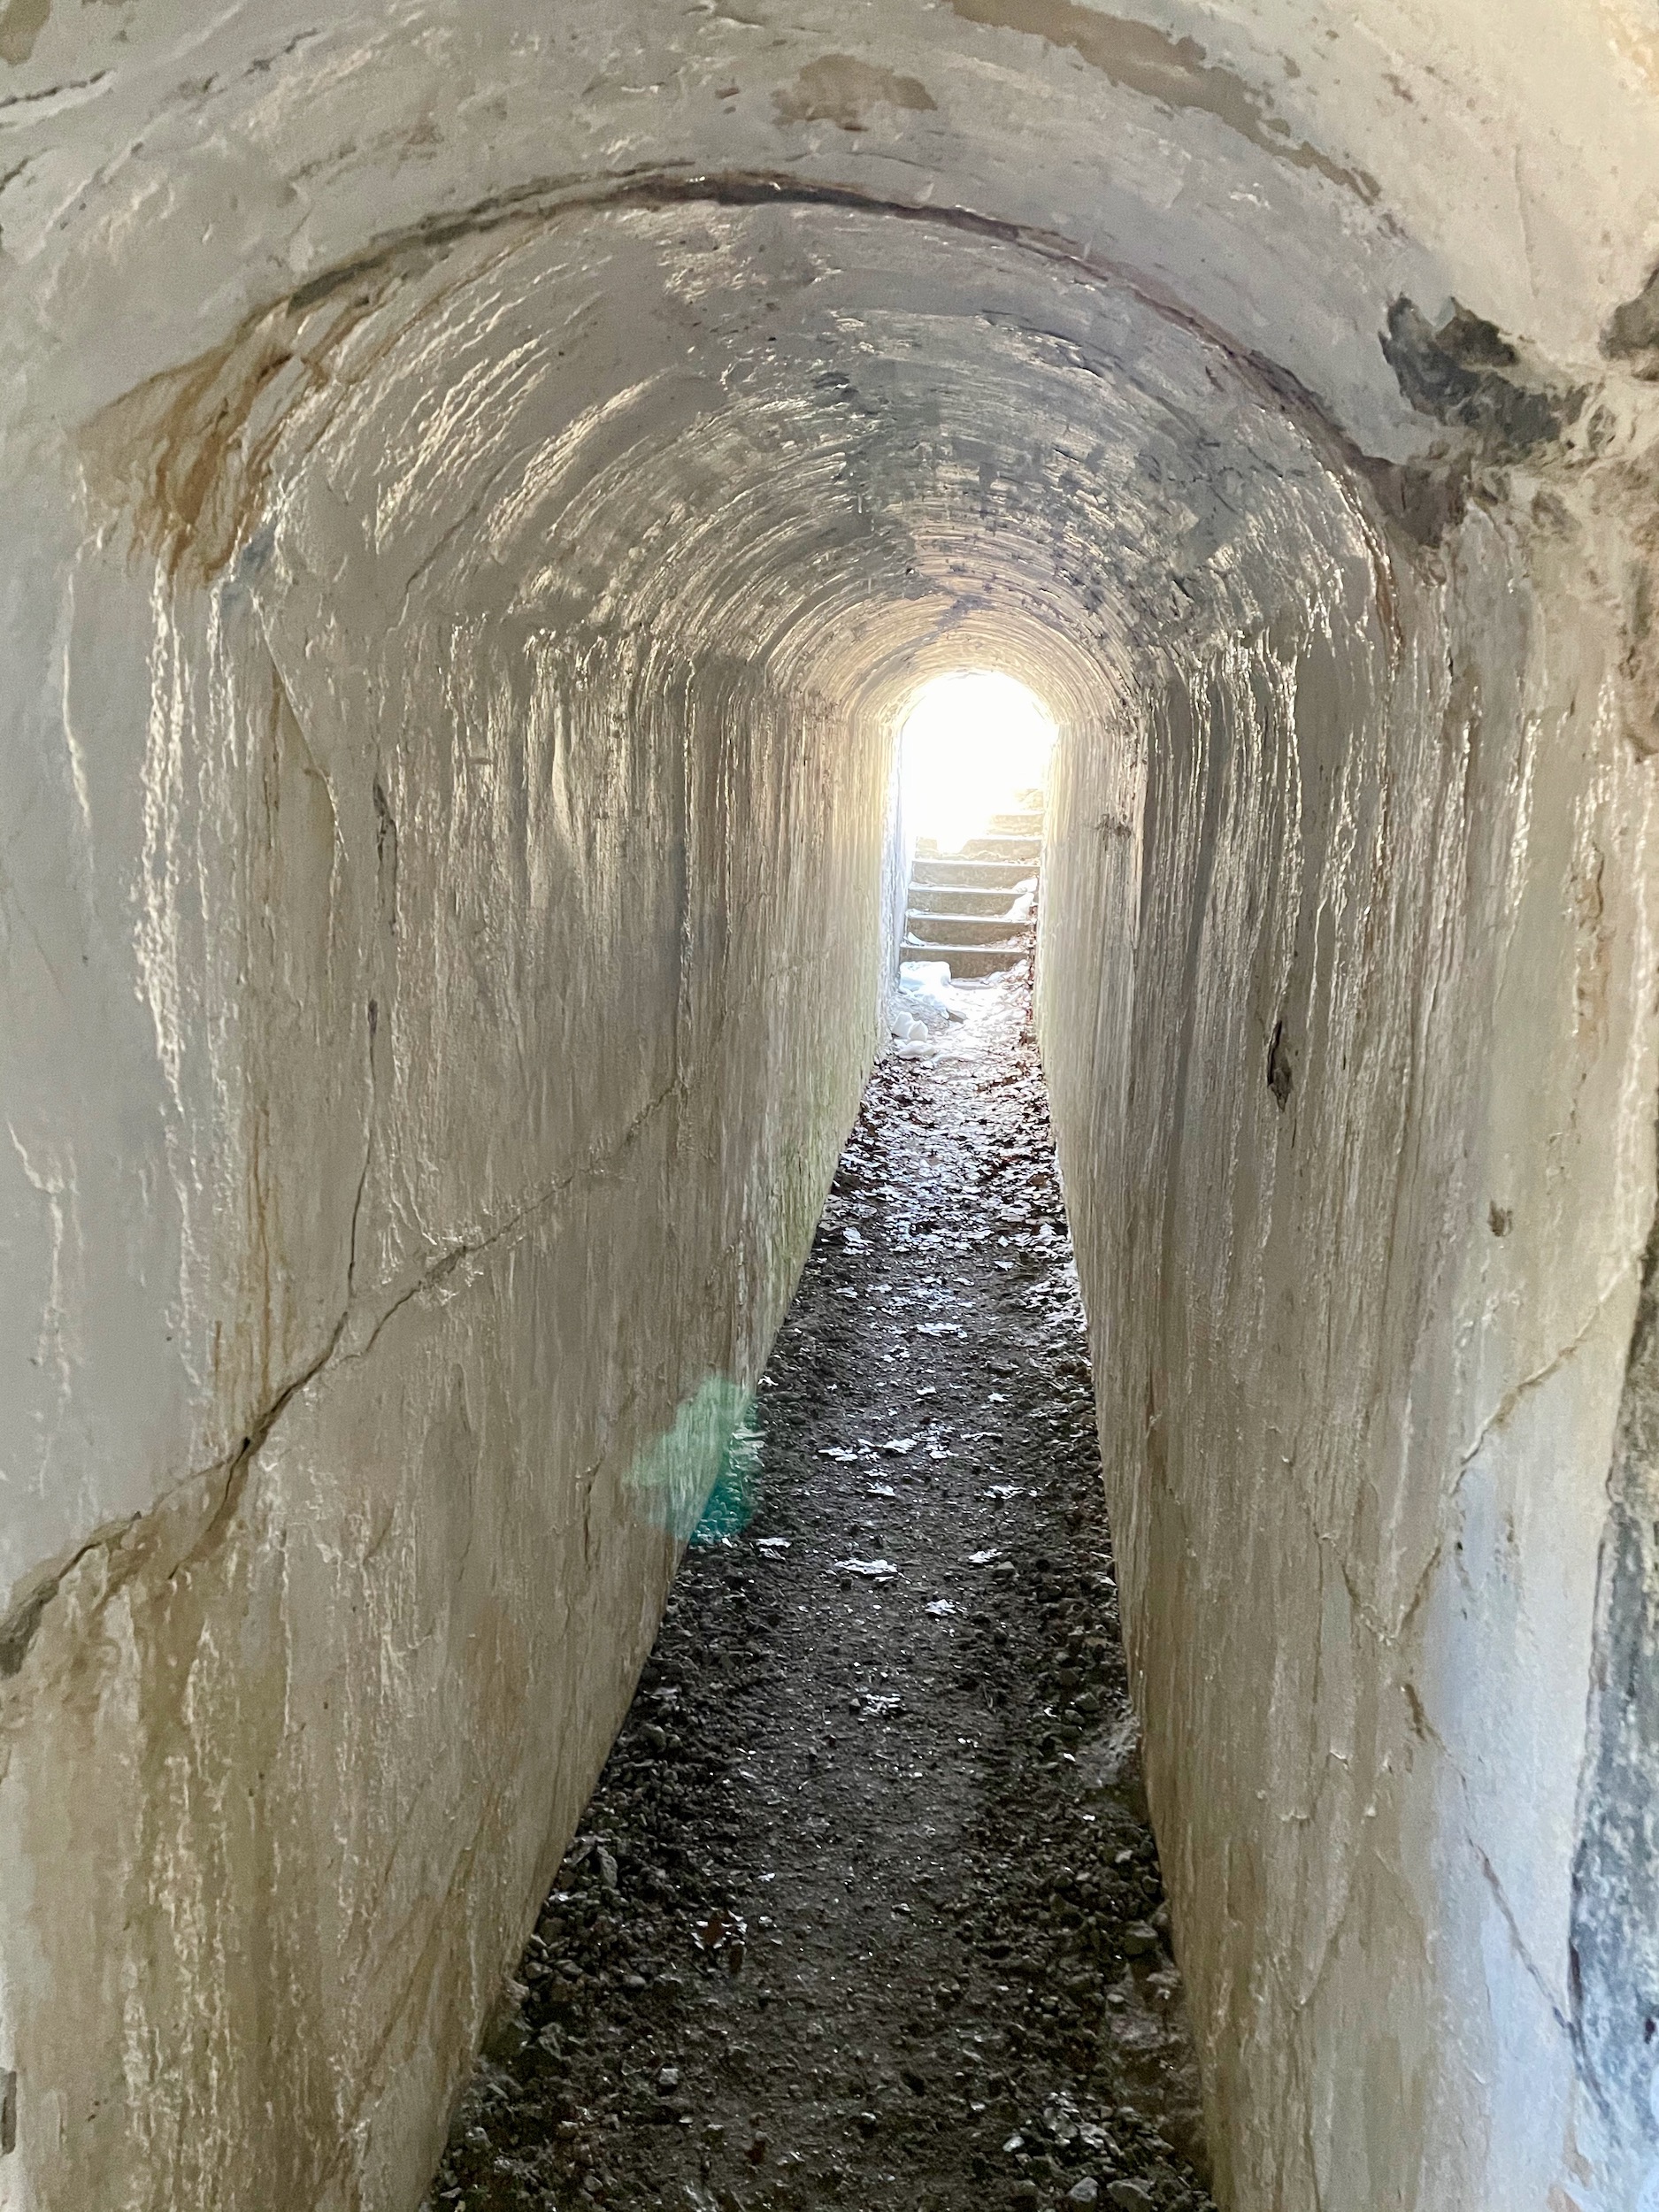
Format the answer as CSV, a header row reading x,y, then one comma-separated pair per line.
x,y
960,898
968,960
960,929
980,875
1025,823
1025,849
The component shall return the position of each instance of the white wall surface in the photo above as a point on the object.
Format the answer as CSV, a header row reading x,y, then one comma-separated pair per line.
x,y
1360,1338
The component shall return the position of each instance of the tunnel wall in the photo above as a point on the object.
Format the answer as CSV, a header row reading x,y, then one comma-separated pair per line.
x,y
1347,949
476,1014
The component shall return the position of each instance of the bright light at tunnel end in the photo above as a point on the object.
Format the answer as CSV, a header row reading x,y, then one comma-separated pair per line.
x,y
972,745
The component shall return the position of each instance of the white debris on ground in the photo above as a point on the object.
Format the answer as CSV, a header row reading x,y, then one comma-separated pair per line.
x,y
920,1009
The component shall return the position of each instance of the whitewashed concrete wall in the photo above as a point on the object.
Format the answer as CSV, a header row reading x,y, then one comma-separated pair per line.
x,y
462,1024
1347,1007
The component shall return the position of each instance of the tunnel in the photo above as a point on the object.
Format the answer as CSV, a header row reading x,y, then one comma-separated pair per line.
x,y
480,488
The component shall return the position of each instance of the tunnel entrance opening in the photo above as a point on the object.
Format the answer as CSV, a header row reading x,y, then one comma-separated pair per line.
x,y
974,752
974,744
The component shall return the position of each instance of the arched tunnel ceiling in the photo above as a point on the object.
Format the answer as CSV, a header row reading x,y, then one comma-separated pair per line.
x,y
818,438
1282,172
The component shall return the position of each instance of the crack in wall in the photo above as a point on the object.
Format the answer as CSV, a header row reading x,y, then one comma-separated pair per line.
x,y
1501,1414
22,1622
1534,1972
437,1271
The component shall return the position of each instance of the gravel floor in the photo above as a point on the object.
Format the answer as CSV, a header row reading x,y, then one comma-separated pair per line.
x,y
864,1910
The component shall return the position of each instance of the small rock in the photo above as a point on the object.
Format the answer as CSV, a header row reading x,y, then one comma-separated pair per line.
x,y
667,2080
1130,2196
722,1930
507,2035
1140,1937
1084,2191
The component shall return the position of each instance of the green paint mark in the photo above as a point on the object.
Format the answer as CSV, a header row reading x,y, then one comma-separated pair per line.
x,y
698,1480
731,1505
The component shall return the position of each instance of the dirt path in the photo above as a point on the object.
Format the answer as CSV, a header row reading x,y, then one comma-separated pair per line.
x,y
864,1910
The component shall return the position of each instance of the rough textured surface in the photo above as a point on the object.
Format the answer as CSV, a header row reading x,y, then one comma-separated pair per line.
x,y
1361,1266
286,1754
477,487
1615,1975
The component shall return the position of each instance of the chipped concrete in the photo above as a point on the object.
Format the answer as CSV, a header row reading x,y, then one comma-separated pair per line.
x,y
1468,374
839,89
1175,72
